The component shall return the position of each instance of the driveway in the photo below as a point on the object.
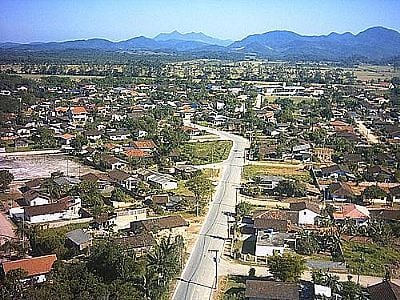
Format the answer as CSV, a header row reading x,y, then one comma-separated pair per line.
x,y
6,228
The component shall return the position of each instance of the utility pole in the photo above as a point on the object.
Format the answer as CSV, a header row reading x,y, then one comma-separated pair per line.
x,y
229,229
216,266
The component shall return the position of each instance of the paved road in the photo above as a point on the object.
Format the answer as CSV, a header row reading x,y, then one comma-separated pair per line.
x,y
198,277
370,137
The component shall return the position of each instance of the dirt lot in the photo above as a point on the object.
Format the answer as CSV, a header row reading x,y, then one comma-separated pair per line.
x,y
28,167
6,228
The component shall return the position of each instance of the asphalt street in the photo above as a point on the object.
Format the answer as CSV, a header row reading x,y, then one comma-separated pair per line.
x,y
198,277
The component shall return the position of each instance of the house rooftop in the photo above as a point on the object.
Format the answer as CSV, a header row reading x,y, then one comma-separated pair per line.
x,y
297,206
32,266
384,290
78,236
272,290
141,240
167,222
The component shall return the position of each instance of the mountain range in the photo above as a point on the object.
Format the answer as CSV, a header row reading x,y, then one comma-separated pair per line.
x,y
373,44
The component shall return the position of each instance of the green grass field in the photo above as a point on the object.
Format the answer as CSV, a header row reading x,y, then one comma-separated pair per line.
x,y
369,259
201,153
295,172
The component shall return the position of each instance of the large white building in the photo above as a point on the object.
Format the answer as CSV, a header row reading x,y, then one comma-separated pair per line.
x,y
64,209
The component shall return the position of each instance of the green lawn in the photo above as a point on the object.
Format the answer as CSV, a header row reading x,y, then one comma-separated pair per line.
x,y
182,190
374,258
295,172
295,99
201,153
233,288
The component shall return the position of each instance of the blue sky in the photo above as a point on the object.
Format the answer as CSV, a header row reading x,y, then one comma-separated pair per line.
x,y
57,20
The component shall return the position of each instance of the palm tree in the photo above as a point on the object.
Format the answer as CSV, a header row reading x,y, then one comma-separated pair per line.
x,y
163,261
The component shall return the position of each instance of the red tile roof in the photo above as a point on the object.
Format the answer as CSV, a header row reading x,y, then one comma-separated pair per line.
x,y
33,266
350,211
76,110
136,153
145,144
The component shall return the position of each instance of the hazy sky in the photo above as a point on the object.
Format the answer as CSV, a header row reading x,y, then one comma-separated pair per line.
x,y
57,20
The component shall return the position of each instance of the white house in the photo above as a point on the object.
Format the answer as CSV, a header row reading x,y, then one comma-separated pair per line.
x,y
32,198
307,212
78,115
162,181
124,179
64,209
125,217
270,242
119,135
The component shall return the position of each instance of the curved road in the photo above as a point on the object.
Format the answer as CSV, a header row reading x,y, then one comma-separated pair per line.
x,y
198,277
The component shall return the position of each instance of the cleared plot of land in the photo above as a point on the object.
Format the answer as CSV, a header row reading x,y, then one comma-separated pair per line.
x,y
369,259
293,171
295,99
202,153
182,190
28,167
366,73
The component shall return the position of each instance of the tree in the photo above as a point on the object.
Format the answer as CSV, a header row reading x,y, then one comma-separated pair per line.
x,y
119,195
163,263
90,194
287,267
352,291
111,262
373,192
11,285
307,244
243,209
201,187
5,179
78,142
290,188
326,279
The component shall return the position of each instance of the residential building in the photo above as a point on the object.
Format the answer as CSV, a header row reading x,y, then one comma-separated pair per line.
x,y
162,227
36,268
386,289
123,179
162,181
140,243
78,115
64,209
79,239
307,212
357,213
271,290
270,242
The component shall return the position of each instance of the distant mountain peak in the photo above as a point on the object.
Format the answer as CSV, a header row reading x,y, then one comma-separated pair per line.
x,y
372,44
193,37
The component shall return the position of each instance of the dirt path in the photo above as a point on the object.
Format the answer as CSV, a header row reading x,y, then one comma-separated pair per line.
x,y
365,132
6,228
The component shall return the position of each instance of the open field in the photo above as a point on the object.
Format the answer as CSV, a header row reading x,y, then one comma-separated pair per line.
x,y
232,287
29,167
367,72
202,153
369,259
286,170
295,99
72,77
